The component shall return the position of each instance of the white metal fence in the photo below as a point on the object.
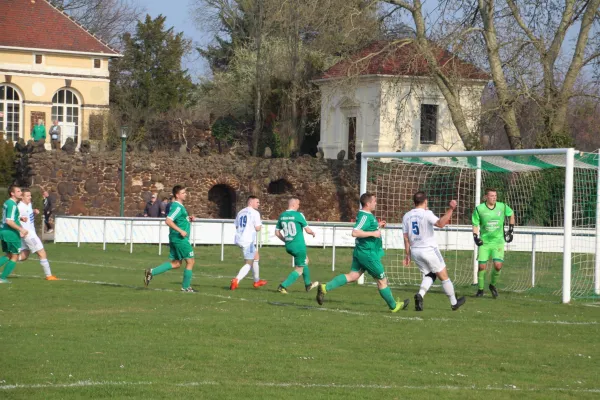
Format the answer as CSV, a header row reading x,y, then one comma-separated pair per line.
x,y
132,231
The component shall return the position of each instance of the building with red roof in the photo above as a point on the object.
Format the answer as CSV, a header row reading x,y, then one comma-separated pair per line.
x,y
384,98
51,68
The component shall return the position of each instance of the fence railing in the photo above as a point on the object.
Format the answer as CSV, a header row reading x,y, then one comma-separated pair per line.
x,y
131,231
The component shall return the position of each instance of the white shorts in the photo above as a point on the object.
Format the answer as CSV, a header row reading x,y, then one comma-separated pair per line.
x,y
249,251
428,259
31,243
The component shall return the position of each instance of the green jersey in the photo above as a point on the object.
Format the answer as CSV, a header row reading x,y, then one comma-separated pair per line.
x,y
491,222
179,215
291,224
369,246
10,211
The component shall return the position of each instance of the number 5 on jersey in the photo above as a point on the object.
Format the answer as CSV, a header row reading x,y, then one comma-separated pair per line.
x,y
415,227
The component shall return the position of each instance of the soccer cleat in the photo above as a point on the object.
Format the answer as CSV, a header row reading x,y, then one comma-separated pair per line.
x,y
50,231
479,293
311,286
189,290
459,302
282,290
147,277
418,302
401,306
234,284
321,292
4,281
494,291
258,284
52,278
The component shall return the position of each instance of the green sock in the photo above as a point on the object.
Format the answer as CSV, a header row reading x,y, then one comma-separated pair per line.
x,y
187,278
8,268
336,282
3,260
386,293
306,275
495,276
290,279
162,268
481,279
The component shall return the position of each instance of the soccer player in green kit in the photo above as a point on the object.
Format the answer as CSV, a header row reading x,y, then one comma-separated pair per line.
x,y
179,243
366,257
488,233
11,233
290,229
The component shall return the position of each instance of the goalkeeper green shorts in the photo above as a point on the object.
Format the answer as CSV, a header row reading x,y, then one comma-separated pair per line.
x,y
495,251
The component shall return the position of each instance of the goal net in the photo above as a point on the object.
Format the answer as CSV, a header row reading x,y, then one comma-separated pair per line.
x,y
554,195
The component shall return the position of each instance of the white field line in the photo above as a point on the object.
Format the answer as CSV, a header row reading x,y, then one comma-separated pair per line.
x,y
335,310
507,388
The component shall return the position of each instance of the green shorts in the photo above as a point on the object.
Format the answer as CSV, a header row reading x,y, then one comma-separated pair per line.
x,y
180,250
372,265
300,257
11,247
495,251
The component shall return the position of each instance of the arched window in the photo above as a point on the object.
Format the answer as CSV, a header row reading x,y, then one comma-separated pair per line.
x,y
65,110
10,112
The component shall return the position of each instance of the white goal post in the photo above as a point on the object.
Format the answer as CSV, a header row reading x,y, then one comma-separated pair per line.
x,y
547,188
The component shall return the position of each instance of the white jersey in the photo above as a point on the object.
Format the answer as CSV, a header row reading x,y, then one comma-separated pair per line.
x,y
245,226
418,224
26,210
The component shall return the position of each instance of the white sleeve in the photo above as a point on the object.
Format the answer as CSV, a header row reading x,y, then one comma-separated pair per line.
x,y
431,218
257,220
405,227
23,210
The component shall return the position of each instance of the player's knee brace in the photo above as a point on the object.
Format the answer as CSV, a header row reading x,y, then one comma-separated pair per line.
x,y
432,276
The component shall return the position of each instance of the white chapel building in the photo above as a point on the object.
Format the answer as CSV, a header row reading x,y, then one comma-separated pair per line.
x,y
384,99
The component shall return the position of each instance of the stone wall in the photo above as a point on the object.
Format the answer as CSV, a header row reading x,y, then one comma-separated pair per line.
x,y
90,184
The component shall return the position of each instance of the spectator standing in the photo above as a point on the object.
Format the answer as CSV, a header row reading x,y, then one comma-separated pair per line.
x,y
54,133
48,208
163,207
39,131
168,206
152,209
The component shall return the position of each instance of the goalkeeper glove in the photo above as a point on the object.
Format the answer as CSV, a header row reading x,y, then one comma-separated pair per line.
x,y
508,236
477,240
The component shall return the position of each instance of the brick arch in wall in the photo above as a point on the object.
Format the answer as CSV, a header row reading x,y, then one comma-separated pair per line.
x,y
222,194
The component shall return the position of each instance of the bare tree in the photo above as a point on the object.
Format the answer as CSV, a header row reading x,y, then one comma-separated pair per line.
x,y
107,19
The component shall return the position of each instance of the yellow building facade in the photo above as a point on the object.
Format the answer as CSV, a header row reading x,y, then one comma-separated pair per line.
x,y
68,83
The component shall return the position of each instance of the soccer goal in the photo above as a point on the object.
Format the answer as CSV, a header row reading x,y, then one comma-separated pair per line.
x,y
554,194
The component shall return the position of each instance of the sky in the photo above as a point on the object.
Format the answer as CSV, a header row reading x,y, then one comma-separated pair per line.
x,y
178,16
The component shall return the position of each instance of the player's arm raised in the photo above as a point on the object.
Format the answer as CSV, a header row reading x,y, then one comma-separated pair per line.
x,y
445,220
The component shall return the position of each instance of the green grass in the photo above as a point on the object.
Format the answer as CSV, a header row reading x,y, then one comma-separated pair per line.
x,y
99,334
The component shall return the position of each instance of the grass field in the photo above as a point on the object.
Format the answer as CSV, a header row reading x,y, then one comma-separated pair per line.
x,y
98,333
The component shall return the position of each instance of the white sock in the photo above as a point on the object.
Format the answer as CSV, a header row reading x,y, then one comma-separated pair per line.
x,y
255,271
449,290
19,257
46,267
243,272
425,285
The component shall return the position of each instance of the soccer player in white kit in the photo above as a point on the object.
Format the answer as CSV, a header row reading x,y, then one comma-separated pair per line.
x,y
247,224
32,243
420,246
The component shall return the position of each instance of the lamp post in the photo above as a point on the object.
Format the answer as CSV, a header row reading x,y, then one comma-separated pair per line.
x,y
124,132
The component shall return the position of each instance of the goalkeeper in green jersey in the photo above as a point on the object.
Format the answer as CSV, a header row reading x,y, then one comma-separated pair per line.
x,y
366,256
488,233
290,229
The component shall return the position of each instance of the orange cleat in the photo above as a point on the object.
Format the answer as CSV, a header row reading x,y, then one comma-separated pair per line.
x,y
52,278
260,283
234,284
